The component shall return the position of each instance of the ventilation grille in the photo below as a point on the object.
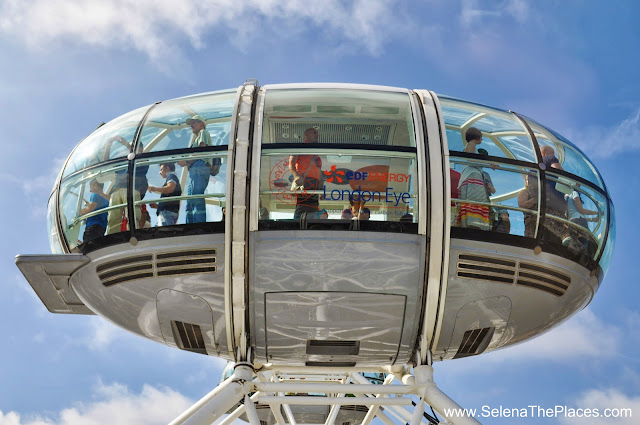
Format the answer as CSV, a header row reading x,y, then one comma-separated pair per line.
x,y
472,342
355,408
508,271
161,264
331,364
486,268
188,336
542,278
367,134
337,348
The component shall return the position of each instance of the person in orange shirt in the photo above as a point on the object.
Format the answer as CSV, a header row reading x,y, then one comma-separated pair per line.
x,y
306,171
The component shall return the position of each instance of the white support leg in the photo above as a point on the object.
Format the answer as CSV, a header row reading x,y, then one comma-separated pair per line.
x,y
373,410
218,402
418,410
333,413
439,400
237,413
252,414
275,409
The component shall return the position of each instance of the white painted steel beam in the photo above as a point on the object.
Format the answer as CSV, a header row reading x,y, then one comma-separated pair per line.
x,y
337,388
323,401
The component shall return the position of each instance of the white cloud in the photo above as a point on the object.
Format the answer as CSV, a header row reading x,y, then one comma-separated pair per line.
x,y
602,400
154,26
102,334
472,14
115,404
572,340
569,342
606,142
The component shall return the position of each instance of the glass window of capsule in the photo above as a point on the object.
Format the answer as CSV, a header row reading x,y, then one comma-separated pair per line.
x,y
506,182
338,159
153,167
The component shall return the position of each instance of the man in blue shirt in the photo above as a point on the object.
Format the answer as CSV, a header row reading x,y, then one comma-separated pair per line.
x,y
199,171
167,210
96,224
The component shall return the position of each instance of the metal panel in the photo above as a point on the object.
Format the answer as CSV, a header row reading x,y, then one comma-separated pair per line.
x,y
49,276
374,321
133,305
190,309
373,265
562,287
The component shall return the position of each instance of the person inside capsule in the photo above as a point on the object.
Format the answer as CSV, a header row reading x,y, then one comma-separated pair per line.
x,y
167,211
306,171
140,179
357,211
579,235
472,187
555,230
96,225
199,171
118,218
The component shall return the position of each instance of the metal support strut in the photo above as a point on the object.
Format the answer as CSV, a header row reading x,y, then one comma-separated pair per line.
x,y
296,391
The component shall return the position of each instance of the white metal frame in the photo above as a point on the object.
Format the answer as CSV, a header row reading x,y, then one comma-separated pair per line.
x,y
281,390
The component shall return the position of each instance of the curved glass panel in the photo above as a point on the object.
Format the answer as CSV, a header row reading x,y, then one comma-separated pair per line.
x,y
182,188
52,229
348,185
166,126
494,197
571,158
576,216
503,134
112,140
341,116
92,203
342,188
607,254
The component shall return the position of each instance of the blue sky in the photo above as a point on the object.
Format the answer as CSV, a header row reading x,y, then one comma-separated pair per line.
x,y
68,65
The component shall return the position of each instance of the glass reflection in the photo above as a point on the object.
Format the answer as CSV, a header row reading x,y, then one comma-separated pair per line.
x,y
607,254
166,127
354,185
168,201
503,134
110,141
341,116
573,161
52,229
494,197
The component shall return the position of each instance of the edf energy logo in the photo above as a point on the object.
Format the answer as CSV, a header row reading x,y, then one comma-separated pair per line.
x,y
370,183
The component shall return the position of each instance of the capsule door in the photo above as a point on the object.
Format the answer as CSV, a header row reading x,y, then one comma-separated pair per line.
x,y
337,245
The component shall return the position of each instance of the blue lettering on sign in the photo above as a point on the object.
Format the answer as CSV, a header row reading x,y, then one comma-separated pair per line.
x,y
391,197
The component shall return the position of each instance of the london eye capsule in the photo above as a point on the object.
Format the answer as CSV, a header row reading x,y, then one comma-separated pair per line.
x,y
331,226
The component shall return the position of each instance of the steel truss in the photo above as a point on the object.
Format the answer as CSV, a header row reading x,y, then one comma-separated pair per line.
x,y
401,399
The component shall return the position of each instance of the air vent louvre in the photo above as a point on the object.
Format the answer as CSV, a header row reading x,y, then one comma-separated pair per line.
x,y
491,269
331,364
123,261
197,270
333,347
189,336
167,264
368,134
474,342
543,279
191,253
486,268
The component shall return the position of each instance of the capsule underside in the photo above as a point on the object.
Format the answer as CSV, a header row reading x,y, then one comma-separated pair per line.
x,y
453,251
